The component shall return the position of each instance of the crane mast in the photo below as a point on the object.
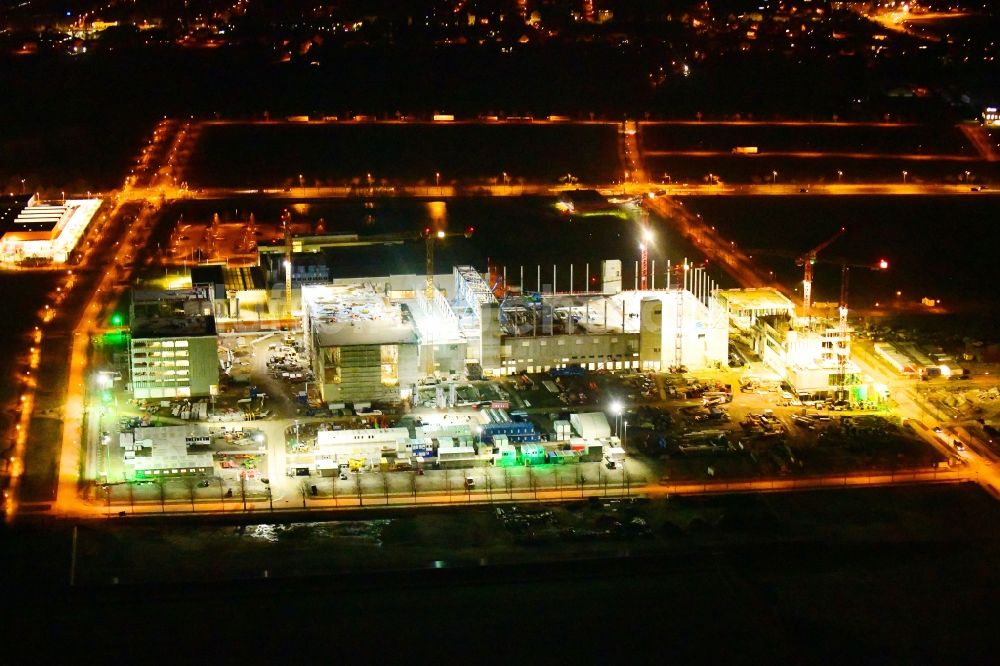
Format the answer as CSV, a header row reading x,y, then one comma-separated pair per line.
x,y
808,260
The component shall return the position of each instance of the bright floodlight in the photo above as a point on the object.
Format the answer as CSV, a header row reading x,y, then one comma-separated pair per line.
x,y
440,234
647,235
288,264
883,264
616,407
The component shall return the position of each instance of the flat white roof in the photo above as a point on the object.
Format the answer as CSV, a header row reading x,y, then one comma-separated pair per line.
x,y
756,299
355,314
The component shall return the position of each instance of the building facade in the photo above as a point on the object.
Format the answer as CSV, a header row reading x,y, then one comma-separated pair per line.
x,y
173,347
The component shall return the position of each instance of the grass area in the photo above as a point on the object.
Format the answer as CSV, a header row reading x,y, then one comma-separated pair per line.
x,y
171,551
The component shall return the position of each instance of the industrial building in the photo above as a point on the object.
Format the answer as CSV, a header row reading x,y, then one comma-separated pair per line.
x,y
168,451
806,353
457,441
239,292
32,230
373,340
173,347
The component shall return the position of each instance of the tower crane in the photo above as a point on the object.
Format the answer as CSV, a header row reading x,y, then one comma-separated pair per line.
x,y
430,238
843,343
808,260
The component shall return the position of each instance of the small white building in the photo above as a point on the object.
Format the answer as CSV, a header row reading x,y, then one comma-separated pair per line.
x,y
46,231
167,451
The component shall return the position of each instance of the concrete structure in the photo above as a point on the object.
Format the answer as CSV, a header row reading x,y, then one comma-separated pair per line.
x,y
239,293
630,330
43,232
746,305
173,348
363,344
806,354
372,340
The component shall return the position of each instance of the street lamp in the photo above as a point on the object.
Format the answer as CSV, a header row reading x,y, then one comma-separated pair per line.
x,y
840,175
437,179
905,174
616,408
774,177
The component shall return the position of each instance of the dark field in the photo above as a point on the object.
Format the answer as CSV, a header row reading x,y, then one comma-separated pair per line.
x,y
811,170
71,155
260,156
939,247
885,139
23,293
874,576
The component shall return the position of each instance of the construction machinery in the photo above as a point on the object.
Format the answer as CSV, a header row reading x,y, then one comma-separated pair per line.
x,y
808,260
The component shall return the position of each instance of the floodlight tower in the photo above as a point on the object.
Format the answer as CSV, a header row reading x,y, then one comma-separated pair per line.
x,y
843,344
286,217
647,236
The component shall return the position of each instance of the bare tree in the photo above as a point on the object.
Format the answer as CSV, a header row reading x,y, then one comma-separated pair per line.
x,y
243,491
447,481
413,485
558,479
163,493
303,491
190,483
385,485
489,484
533,481
508,481
357,488
333,488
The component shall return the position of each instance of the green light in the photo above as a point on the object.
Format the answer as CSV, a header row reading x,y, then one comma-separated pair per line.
x,y
116,319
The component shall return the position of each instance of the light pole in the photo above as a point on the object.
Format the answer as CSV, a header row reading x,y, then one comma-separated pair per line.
x,y
437,181
840,175
905,173
774,177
